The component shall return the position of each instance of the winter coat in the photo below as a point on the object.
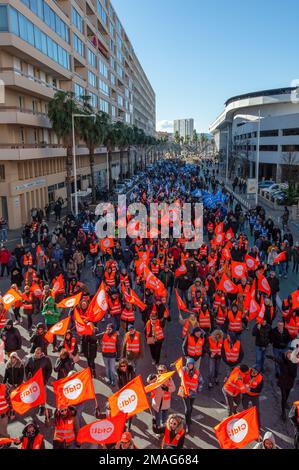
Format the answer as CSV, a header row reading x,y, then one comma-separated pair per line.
x,y
279,340
262,335
89,346
63,367
51,312
268,436
33,364
38,341
12,339
14,375
125,377
157,399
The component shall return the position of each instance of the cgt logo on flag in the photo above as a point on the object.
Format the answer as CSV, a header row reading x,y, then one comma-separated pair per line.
x,y
30,394
237,430
57,327
101,430
73,389
127,401
8,299
228,286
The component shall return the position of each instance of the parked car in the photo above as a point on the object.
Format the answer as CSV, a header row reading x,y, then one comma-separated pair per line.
x,y
265,184
275,187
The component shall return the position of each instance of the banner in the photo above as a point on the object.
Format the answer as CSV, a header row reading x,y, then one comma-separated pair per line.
x,y
29,394
131,399
81,326
105,431
74,389
238,430
59,328
98,306
70,302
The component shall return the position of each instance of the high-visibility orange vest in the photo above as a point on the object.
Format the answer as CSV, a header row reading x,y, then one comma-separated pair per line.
x,y
203,251
158,330
27,301
204,319
109,343
114,306
166,394
218,300
232,353
37,442
235,383
215,346
155,268
221,316
175,440
191,382
93,249
133,344
254,383
296,403
4,406
235,321
65,430
2,318
185,328
110,279
72,346
28,260
128,315
125,280
194,347
292,325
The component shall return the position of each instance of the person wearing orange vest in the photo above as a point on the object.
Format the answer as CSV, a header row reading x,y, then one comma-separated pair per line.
x,y
127,315
161,399
5,409
115,307
234,386
254,386
232,353
2,313
31,438
174,434
205,322
221,316
110,278
194,383
27,260
294,417
215,343
235,321
27,304
155,336
132,348
93,251
291,323
65,428
110,347
189,324
70,345
193,345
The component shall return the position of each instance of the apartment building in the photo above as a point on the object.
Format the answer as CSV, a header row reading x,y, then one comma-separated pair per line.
x,y
71,45
184,127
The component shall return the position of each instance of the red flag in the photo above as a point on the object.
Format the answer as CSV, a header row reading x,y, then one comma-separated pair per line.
x,y
105,431
133,298
153,283
98,306
295,299
181,304
229,234
180,271
280,257
58,285
219,228
29,394
251,262
82,327
227,285
36,290
261,314
70,302
219,239
238,430
263,285
226,254
252,306
74,389
238,269
59,328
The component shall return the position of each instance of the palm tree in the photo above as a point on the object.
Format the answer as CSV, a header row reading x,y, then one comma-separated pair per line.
x,y
92,132
123,138
195,138
60,110
177,137
110,143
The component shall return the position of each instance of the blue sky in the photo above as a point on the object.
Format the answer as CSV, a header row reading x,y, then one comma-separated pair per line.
x,y
198,53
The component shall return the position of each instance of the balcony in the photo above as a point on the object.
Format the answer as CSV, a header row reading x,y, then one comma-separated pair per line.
x,y
25,117
19,80
30,151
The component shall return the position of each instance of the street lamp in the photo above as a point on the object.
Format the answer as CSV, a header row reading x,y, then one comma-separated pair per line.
x,y
75,115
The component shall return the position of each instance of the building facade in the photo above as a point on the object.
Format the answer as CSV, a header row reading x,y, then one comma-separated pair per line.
x,y
70,45
184,127
276,114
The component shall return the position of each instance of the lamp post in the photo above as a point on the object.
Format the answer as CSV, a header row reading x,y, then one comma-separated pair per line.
x,y
75,115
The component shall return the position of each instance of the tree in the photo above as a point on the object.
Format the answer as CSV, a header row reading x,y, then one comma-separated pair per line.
x,y
177,137
122,140
60,110
195,138
92,132
110,141
290,169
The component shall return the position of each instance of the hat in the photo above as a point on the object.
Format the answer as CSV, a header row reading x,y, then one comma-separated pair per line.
x,y
197,279
126,437
196,330
131,327
40,325
190,360
244,368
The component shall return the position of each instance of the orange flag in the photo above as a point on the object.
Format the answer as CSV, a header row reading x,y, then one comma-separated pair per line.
x,y
295,299
229,234
263,284
280,257
70,302
179,368
131,399
7,440
238,269
227,285
36,290
74,389
105,431
219,239
98,306
238,430
58,285
251,263
81,326
59,328
10,297
160,381
180,271
133,298
29,394
106,244
181,303
153,283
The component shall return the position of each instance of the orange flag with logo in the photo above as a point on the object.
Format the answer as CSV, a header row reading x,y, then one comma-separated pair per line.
x,y
295,299
181,304
74,389
238,269
180,271
133,298
59,328
263,284
36,290
106,244
179,368
70,302
160,381
238,430
131,399
98,306
58,285
82,327
29,394
227,285
280,257
10,297
105,431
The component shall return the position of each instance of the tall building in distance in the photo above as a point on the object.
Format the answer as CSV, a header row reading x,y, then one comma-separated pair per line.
x,y
184,127
70,45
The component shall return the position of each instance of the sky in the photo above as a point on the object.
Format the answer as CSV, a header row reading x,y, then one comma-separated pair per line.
x,y
199,53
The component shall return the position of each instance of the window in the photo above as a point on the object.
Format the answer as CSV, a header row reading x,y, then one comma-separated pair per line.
x,y
2,173
128,118
118,26
103,69
92,79
77,20
78,45
104,88
43,11
113,81
111,29
111,12
102,12
268,148
290,148
61,185
113,111
294,131
119,42
127,93
104,106
93,100
3,19
119,71
79,91
120,100
273,133
119,56
91,57
112,63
